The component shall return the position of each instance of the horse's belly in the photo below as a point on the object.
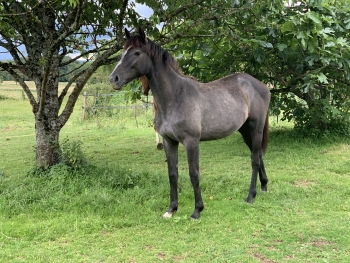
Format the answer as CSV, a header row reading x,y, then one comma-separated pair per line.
x,y
218,133
219,127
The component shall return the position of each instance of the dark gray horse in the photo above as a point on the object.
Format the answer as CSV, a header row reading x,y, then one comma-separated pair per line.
x,y
190,111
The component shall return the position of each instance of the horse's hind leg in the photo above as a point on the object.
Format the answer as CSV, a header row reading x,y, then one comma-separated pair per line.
x,y
171,151
256,157
192,149
262,175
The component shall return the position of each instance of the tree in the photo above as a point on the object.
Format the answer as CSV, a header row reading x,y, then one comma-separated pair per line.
x,y
41,34
301,48
49,31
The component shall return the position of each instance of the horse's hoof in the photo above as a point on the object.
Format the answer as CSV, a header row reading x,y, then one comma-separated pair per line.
x,y
195,215
160,146
250,200
167,215
251,197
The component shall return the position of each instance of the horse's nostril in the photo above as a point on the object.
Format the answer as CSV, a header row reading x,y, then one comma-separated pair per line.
x,y
116,78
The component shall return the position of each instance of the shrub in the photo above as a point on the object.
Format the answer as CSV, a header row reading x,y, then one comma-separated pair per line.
x,y
72,154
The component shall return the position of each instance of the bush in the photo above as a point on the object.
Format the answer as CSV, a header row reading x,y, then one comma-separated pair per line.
x,y
318,119
72,154
3,97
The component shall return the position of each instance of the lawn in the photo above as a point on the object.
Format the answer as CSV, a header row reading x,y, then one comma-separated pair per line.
x,y
111,211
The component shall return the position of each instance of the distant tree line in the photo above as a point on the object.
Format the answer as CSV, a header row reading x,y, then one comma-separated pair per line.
x,y
66,72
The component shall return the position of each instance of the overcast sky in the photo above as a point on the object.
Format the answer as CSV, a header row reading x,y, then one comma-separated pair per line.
x,y
141,9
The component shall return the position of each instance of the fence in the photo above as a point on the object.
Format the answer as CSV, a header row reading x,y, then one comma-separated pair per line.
x,y
94,103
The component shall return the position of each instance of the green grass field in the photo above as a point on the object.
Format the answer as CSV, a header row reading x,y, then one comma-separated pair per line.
x,y
112,210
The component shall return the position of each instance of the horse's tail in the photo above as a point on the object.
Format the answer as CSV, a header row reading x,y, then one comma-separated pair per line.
x,y
265,138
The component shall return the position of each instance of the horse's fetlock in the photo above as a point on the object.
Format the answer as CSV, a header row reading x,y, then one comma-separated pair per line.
x,y
199,208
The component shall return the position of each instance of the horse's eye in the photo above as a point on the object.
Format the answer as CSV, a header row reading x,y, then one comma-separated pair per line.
x,y
137,53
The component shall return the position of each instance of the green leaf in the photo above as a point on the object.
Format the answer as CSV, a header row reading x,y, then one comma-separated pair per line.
x,y
287,27
301,34
326,31
329,44
314,17
322,78
303,43
342,41
265,44
73,3
281,46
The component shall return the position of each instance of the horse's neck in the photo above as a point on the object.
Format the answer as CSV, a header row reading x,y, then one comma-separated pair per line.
x,y
164,83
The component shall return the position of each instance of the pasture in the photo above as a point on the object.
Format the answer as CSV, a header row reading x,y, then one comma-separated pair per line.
x,y
111,210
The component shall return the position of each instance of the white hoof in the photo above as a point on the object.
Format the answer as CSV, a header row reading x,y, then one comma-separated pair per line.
x,y
167,215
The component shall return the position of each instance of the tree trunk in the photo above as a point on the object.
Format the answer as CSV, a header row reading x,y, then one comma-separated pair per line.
x,y
47,127
47,145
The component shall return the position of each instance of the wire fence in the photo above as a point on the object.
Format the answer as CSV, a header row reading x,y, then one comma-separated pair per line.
x,y
111,104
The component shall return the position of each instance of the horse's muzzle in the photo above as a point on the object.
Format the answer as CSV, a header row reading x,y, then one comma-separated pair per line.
x,y
113,80
116,87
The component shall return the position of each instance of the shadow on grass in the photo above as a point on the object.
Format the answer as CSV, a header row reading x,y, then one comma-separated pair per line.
x,y
287,137
91,189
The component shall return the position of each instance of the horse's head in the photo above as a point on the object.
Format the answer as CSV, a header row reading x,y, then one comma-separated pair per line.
x,y
135,60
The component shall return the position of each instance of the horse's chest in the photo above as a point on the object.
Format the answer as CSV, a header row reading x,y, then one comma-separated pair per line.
x,y
173,126
164,125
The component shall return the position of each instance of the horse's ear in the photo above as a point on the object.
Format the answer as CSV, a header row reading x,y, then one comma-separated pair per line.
x,y
127,33
142,35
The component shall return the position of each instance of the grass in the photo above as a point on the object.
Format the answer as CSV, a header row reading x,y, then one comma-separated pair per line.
x,y
111,210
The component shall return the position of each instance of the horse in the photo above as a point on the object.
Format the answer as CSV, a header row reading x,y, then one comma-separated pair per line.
x,y
189,111
145,90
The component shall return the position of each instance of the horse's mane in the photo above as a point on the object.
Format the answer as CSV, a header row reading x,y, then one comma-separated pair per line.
x,y
155,51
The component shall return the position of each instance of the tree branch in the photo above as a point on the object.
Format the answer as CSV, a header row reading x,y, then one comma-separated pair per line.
x,y
169,16
122,16
68,85
11,69
73,26
81,81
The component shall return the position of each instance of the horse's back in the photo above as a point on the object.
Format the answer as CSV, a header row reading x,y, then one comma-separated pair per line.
x,y
227,103
239,88
254,93
243,82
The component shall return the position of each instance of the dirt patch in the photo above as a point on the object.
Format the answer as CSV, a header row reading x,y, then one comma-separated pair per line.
x,y
180,258
322,243
263,258
8,128
161,256
303,183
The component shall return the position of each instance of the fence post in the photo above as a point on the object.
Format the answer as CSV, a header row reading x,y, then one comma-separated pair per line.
x,y
137,124
84,104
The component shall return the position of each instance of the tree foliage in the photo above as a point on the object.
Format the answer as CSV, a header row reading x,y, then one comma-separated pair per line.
x,y
300,48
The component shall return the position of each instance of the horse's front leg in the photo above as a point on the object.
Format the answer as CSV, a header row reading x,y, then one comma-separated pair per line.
x,y
171,151
192,149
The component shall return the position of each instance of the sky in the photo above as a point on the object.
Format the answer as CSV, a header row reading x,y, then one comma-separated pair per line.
x,y
141,9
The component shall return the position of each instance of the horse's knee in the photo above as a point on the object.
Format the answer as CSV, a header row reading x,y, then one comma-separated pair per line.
x,y
255,162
